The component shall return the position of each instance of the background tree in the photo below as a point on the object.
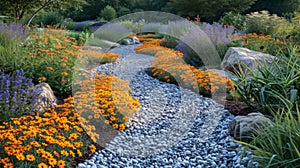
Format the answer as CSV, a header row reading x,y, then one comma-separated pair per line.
x,y
209,8
279,7
20,8
108,13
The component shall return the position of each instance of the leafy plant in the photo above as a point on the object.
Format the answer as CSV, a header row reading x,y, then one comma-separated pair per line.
x,y
233,19
50,57
263,22
273,86
108,13
278,145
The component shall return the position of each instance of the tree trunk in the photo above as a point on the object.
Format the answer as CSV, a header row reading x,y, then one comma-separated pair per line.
x,y
37,11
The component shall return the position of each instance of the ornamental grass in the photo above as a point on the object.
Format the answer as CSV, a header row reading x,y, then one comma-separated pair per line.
x,y
169,66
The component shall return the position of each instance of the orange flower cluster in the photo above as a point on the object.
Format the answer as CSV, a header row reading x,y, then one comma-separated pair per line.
x,y
107,99
91,56
169,66
52,139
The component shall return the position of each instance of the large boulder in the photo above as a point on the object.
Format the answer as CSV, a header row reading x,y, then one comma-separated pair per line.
x,y
45,97
241,127
237,55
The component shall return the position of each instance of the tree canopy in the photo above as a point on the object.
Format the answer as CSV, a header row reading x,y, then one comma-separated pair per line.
x,y
209,8
19,8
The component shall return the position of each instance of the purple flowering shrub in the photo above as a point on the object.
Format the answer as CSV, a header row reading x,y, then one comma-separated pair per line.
x,y
219,36
14,31
17,95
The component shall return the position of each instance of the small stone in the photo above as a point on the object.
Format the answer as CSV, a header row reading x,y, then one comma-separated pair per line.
x,y
81,165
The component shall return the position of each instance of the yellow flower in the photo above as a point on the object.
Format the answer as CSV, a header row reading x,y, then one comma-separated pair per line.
x,y
115,126
122,127
79,153
20,157
72,153
52,161
92,148
30,157
61,164
65,153
43,165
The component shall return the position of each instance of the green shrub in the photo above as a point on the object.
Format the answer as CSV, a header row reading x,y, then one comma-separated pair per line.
x,y
108,13
272,86
50,57
234,19
278,145
123,11
263,22
135,27
50,18
70,25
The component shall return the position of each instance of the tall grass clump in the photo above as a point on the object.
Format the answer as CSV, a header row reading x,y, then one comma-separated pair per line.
x,y
11,37
278,145
272,86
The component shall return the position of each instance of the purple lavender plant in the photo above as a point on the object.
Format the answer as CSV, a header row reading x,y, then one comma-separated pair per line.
x,y
14,31
219,36
17,95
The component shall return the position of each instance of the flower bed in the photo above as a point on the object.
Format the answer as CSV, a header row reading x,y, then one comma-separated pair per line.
x,y
170,67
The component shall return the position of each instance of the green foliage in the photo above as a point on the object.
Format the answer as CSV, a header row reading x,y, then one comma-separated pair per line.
x,y
32,8
50,18
279,7
123,11
234,19
272,86
69,25
209,8
278,145
108,13
135,27
263,22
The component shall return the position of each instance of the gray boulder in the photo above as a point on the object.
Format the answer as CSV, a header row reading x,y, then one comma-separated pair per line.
x,y
236,55
126,42
241,127
45,98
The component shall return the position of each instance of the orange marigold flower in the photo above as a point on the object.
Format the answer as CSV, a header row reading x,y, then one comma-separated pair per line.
x,y
115,126
63,81
61,164
42,165
121,127
20,157
92,148
42,79
30,157
49,68
64,74
52,162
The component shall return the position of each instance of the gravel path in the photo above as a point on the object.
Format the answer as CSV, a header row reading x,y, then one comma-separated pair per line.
x,y
175,127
